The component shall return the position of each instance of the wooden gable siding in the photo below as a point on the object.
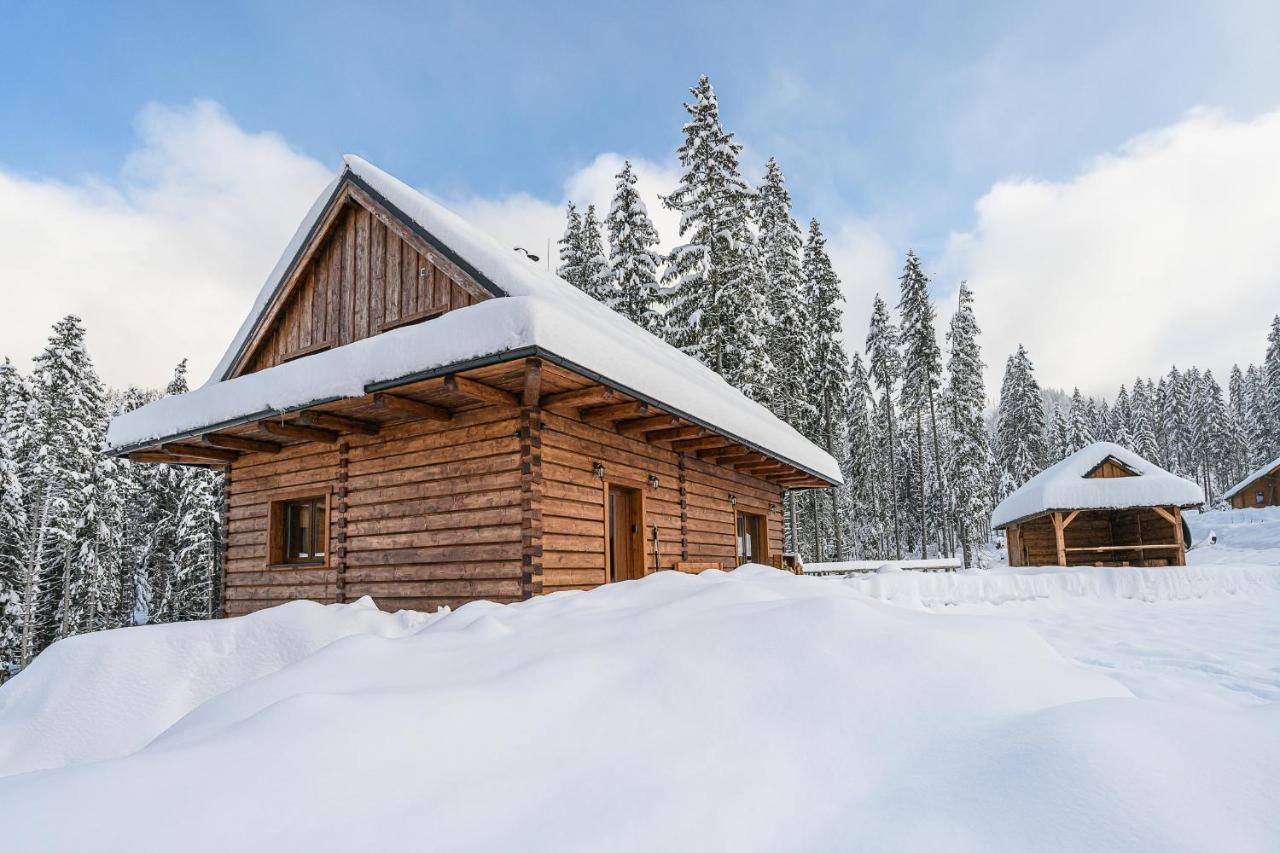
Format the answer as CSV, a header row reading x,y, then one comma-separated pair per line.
x,y
1110,468
364,276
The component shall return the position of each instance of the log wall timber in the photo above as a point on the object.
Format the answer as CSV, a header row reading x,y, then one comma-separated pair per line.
x,y
1267,486
362,278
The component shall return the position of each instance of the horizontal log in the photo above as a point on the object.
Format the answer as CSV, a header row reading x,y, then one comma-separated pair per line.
x,y
239,442
409,406
195,451
591,395
479,391
641,426
342,423
616,412
305,433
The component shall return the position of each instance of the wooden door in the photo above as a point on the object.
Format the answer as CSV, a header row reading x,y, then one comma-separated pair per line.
x,y
626,542
750,542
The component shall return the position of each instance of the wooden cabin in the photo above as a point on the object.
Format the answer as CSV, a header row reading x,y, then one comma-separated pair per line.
x,y
1101,506
1261,488
414,412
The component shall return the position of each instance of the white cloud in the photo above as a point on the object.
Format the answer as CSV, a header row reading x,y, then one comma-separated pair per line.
x,y
1166,252
524,220
162,260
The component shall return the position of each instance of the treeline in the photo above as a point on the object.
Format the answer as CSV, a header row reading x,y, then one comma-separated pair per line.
x,y
88,541
758,301
1182,421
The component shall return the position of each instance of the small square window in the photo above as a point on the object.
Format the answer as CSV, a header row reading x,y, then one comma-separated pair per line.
x,y
300,531
1259,497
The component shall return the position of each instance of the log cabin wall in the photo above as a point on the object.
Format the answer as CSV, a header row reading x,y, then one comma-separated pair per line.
x,y
423,514
1247,497
362,279
429,513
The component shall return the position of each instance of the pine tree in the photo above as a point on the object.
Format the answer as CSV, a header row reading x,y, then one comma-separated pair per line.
x,y
787,336
714,282
885,364
966,396
14,401
921,379
1080,427
1271,403
1122,420
572,259
1020,421
867,517
597,275
829,370
1143,408
632,259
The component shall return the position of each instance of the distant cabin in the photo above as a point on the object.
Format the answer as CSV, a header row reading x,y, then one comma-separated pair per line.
x,y
415,412
1101,506
1260,488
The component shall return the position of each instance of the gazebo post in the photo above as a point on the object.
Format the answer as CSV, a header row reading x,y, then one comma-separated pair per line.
x,y
1177,528
1060,538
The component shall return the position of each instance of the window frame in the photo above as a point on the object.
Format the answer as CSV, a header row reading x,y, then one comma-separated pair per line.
x,y
277,530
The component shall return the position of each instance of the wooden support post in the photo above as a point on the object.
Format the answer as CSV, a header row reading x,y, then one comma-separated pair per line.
x,y
684,511
1181,556
1059,538
479,391
409,406
532,382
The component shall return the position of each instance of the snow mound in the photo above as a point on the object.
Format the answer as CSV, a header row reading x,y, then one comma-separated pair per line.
x,y
751,710
1005,585
108,694
1244,536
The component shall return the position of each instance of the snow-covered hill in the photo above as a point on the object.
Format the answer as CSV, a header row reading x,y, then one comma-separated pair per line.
x,y
753,710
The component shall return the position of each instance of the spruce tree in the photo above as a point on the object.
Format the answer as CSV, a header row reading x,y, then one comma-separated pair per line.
x,y
1020,421
1271,402
787,336
633,260
572,261
885,364
966,396
1079,427
597,276
714,282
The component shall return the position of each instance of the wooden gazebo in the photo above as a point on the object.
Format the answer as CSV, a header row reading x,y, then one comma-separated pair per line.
x,y
1101,506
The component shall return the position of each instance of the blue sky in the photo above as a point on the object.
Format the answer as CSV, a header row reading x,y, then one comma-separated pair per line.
x,y
896,117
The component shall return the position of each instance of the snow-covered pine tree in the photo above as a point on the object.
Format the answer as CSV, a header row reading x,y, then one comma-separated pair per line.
x,y
1121,419
966,396
714,282
632,258
1020,421
921,379
868,505
1271,403
68,422
829,369
572,261
1059,440
1258,414
1143,408
787,337
597,275
1215,437
14,401
1080,427
1238,453
884,361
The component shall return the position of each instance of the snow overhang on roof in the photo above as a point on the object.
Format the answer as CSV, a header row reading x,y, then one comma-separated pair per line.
x,y
1066,486
537,313
1272,467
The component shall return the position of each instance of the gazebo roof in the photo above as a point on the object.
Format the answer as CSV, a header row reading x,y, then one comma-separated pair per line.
x,y
1078,482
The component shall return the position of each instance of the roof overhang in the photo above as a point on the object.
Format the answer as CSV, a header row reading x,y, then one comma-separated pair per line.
x,y
1045,512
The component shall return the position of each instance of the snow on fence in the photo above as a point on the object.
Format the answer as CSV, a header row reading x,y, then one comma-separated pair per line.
x,y
849,567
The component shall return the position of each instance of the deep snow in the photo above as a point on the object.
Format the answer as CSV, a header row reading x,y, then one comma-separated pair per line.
x,y
753,710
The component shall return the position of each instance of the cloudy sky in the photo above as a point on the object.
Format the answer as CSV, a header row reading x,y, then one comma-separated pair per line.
x,y
1108,180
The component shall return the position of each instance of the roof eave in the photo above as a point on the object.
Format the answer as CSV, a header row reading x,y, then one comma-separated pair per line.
x,y
1002,525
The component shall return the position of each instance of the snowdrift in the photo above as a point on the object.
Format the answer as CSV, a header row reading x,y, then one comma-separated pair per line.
x,y
753,710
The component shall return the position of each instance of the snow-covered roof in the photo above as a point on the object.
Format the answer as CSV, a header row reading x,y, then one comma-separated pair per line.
x,y
1065,486
536,313
1270,467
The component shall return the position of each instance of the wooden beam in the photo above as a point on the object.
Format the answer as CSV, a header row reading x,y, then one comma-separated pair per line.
x,y
1070,518
532,381
409,406
157,456
591,395
239,442
341,423
479,391
644,425
1166,515
306,433
195,451
1059,538
1181,558
765,467
721,455
616,412
700,443
675,433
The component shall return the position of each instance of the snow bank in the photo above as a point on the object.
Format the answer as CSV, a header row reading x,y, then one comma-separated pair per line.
x,y
850,566
1065,486
108,694
1004,585
753,710
1244,536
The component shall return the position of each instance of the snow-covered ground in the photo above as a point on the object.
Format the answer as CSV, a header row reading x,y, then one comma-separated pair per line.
x,y
1096,709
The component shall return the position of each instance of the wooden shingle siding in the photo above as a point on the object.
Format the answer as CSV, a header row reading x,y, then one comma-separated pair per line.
x,y
363,278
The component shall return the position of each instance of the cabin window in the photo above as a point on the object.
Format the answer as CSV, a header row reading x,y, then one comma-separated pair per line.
x,y
1259,497
299,533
